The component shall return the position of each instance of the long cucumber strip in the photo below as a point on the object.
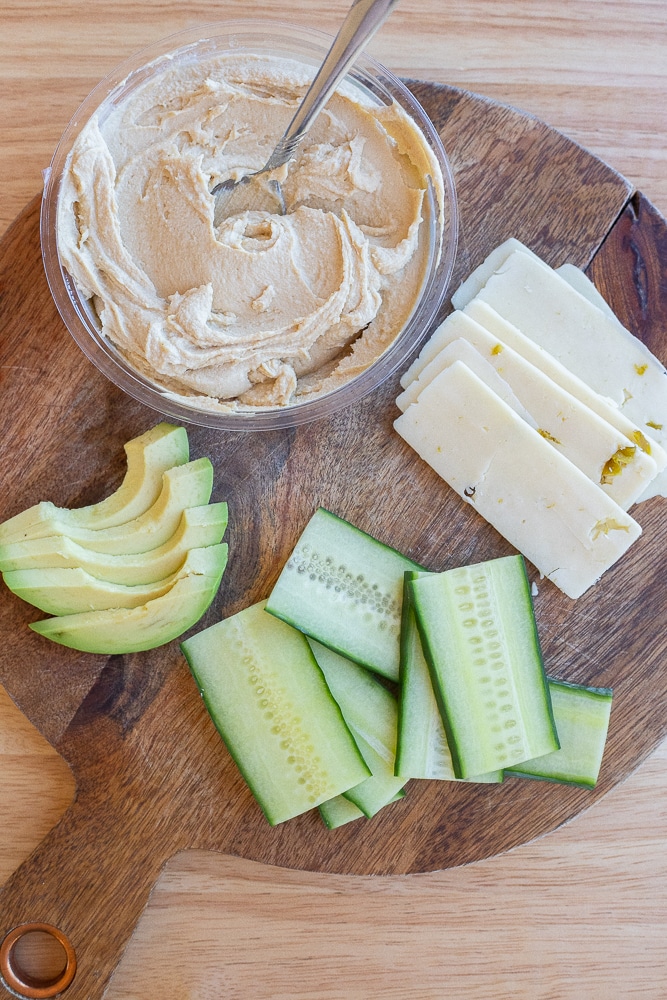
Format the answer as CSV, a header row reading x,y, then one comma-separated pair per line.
x,y
270,702
367,705
345,589
582,720
422,750
339,811
480,639
381,788
370,712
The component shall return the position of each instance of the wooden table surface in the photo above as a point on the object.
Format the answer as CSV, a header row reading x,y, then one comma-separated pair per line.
x,y
581,913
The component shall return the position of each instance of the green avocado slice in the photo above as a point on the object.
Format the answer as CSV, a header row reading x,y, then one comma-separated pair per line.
x,y
182,486
198,527
131,630
72,591
149,456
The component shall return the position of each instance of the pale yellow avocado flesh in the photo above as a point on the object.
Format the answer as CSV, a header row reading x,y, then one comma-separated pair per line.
x,y
73,591
131,630
149,456
198,527
182,486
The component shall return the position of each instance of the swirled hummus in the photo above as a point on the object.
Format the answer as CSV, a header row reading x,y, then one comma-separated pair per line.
x,y
267,309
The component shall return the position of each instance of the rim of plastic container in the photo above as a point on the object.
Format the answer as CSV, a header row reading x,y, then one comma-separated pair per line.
x,y
219,36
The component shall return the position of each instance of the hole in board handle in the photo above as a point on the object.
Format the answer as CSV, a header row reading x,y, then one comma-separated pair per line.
x,y
37,961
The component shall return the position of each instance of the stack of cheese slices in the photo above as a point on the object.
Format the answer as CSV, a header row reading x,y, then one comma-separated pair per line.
x,y
541,410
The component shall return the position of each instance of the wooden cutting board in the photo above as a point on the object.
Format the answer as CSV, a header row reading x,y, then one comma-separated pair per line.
x,y
152,775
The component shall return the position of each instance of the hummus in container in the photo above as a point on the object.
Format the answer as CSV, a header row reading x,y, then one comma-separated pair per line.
x,y
267,310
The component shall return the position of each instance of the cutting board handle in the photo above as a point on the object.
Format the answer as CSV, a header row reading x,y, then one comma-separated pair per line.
x,y
83,881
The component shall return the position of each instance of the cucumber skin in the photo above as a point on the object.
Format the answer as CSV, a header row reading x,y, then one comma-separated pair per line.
x,y
408,619
368,706
339,811
458,763
373,794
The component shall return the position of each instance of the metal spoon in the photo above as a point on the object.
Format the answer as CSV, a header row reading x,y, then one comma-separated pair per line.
x,y
362,21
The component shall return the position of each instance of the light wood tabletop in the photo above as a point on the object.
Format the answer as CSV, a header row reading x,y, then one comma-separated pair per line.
x,y
577,915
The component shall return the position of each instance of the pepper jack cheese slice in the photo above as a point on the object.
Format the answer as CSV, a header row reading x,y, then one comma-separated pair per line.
x,y
476,280
537,499
574,276
551,312
496,324
606,456
457,324
583,284
461,349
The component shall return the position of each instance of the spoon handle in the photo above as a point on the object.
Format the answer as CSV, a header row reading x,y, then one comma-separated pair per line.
x,y
362,21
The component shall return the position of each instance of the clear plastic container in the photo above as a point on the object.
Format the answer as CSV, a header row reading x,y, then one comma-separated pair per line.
x,y
308,46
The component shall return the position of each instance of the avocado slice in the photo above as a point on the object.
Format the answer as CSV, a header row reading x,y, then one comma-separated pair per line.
x,y
131,630
72,591
197,528
148,458
182,486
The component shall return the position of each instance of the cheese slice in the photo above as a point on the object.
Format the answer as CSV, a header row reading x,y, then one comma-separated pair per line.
x,y
576,277
496,324
605,407
534,496
551,312
463,350
583,284
573,275
607,457
457,325
476,280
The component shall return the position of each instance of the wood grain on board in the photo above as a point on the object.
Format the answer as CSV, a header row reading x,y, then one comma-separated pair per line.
x,y
152,775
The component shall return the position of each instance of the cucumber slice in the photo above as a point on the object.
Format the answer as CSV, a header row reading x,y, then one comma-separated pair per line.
x,y
367,705
381,788
422,750
370,712
480,640
270,702
345,589
582,719
339,811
